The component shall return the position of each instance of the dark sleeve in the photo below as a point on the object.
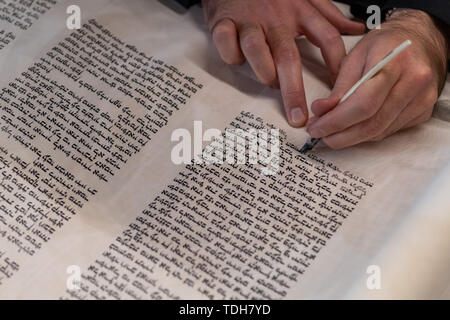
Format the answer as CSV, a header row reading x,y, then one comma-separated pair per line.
x,y
437,8
187,3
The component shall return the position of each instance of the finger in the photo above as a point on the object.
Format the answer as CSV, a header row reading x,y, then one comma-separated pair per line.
x,y
256,50
418,111
323,34
289,69
424,117
360,106
399,125
225,38
376,127
351,71
335,16
312,120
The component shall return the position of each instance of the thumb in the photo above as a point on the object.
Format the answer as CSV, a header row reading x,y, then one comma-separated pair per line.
x,y
350,72
322,106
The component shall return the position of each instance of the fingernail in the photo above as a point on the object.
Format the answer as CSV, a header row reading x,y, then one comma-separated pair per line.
x,y
297,116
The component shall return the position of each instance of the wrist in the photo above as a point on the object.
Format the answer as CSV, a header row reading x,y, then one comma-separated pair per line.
x,y
427,32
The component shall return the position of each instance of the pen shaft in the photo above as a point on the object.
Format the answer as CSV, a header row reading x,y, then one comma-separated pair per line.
x,y
312,142
380,65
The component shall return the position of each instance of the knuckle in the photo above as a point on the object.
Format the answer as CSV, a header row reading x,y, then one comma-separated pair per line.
x,y
292,95
422,75
279,35
235,59
279,42
215,12
283,53
251,42
270,81
331,36
222,31
368,108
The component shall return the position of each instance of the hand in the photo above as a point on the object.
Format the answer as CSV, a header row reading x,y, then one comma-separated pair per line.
x,y
402,95
263,32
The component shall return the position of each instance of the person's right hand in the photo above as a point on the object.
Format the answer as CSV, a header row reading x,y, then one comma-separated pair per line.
x,y
263,32
400,96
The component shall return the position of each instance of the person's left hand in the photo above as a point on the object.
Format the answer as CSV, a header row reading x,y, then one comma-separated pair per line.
x,y
263,33
402,95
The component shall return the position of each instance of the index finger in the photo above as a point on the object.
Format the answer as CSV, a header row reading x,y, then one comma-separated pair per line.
x,y
360,106
324,35
289,69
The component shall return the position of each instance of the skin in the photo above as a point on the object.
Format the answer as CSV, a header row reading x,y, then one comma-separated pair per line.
x,y
402,95
263,32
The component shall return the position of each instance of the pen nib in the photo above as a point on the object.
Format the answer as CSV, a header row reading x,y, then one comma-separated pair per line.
x,y
309,145
306,147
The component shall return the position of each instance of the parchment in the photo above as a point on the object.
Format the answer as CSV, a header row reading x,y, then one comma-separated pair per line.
x,y
396,227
